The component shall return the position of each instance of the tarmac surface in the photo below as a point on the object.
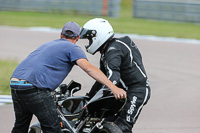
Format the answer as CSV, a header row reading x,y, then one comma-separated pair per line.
x,y
172,68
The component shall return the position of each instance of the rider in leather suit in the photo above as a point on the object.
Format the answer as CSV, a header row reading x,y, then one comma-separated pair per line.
x,y
121,61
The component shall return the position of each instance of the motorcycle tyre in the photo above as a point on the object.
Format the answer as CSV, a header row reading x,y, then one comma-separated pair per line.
x,y
110,127
35,128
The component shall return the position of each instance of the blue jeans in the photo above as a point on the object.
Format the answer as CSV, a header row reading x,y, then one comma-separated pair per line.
x,y
38,102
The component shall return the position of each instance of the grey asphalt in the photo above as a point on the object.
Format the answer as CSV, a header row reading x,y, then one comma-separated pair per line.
x,y
172,67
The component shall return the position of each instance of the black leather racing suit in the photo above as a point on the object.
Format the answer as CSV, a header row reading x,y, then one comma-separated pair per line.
x,y
121,61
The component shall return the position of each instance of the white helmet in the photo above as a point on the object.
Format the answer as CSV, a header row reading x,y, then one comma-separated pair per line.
x,y
97,31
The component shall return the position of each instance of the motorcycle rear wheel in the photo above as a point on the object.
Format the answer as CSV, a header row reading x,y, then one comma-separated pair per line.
x,y
35,131
35,128
110,127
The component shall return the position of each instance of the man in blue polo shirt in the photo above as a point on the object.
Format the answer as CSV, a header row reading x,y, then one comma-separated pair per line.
x,y
42,72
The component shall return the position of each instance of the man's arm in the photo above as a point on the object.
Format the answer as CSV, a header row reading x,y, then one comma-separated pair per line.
x,y
98,75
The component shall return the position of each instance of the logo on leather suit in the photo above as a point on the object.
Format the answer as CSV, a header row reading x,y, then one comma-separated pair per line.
x,y
131,109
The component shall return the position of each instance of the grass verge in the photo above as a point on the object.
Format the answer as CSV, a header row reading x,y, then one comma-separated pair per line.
x,y
6,69
124,24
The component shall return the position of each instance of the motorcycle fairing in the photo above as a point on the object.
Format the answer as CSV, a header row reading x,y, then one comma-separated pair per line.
x,y
72,107
105,103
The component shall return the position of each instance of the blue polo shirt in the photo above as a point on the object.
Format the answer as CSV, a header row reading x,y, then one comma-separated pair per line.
x,y
47,66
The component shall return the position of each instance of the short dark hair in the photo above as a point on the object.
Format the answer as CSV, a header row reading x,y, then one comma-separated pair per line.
x,y
69,35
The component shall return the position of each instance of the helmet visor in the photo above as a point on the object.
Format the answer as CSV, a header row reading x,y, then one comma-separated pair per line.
x,y
87,34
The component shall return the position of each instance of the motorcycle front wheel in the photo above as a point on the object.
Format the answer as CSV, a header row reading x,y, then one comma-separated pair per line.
x,y
110,127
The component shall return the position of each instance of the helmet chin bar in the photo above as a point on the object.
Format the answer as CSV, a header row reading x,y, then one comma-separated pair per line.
x,y
90,48
90,42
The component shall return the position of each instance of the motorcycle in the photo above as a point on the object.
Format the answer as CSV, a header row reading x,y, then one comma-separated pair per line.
x,y
82,114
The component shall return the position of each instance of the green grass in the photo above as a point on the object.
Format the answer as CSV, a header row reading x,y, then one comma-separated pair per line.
x,y
124,24
6,70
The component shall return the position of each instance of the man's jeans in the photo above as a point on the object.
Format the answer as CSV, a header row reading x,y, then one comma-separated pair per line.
x,y
41,104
